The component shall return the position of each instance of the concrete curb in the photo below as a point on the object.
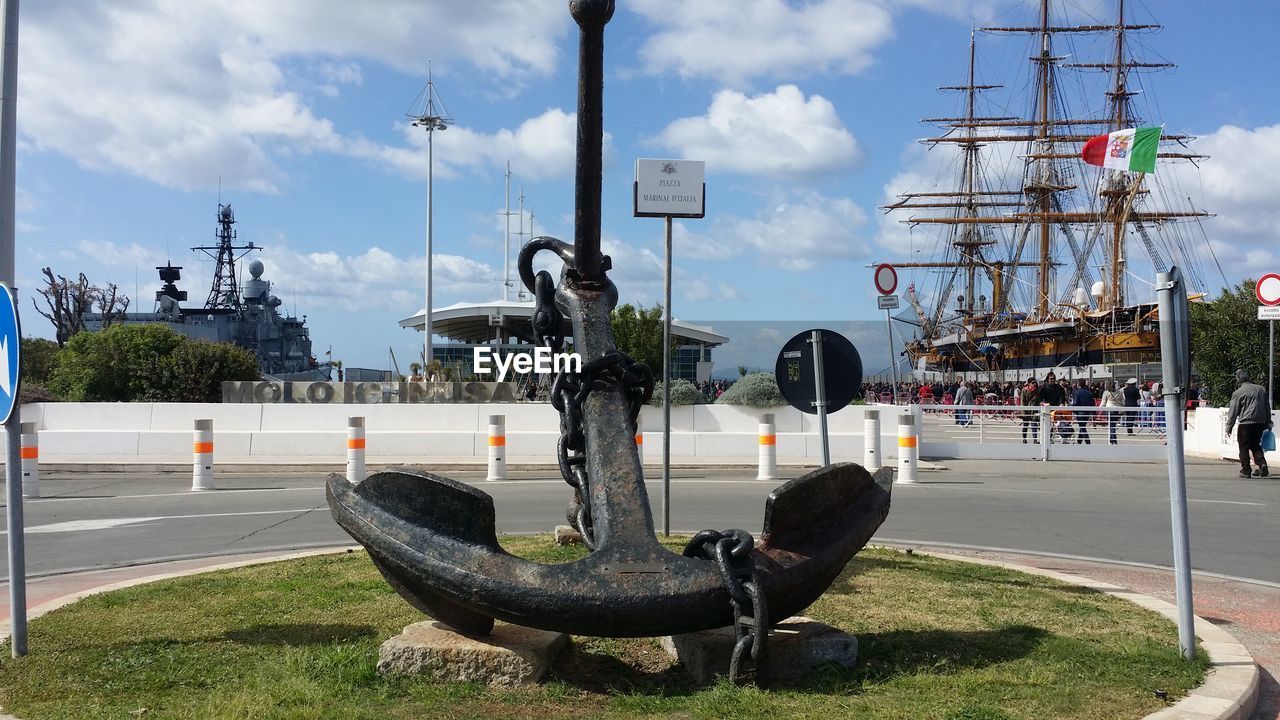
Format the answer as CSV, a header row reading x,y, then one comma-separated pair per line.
x,y
1229,692
1231,685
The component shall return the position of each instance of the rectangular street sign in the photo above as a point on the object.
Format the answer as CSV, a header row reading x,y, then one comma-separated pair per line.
x,y
670,188
887,302
1269,312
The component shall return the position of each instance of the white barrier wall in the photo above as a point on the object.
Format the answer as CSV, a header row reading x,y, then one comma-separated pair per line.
x,y
415,433
161,432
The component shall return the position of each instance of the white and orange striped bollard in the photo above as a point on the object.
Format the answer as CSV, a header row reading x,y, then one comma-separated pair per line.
x,y
768,449
908,448
497,447
30,455
640,445
355,450
202,447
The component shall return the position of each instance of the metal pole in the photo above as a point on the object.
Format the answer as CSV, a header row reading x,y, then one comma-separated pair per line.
x,y
666,385
820,393
893,359
13,428
1271,366
1173,406
506,242
426,320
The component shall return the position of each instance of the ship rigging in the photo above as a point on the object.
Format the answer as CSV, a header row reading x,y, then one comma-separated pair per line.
x,y
1022,212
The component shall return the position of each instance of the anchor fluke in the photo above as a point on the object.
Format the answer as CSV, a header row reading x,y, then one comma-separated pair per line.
x,y
387,513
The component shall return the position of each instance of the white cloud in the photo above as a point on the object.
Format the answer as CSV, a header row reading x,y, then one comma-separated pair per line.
x,y
985,11
1240,185
793,234
778,133
183,94
540,147
733,42
376,280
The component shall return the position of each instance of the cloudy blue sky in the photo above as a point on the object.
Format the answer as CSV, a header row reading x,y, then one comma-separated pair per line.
x,y
133,112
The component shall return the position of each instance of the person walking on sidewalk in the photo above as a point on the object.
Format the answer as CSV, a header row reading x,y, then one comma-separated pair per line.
x,y
1251,407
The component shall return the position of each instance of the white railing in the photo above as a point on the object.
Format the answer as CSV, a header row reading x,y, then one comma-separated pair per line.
x,y
1043,432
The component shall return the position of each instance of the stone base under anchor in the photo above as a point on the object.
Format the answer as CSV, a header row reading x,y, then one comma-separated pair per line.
x,y
510,655
796,646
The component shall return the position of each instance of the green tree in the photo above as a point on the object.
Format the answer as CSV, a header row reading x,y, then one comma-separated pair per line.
x,y
39,357
196,370
638,333
147,363
1226,336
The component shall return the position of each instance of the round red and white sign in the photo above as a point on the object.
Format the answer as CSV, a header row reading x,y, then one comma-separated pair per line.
x,y
1268,289
886,279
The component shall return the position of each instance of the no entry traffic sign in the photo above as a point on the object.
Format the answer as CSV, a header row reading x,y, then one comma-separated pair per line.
x,y
886,279
1268,289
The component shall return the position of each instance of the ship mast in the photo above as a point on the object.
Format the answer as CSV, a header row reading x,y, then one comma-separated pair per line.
x,y
1043,205
224,293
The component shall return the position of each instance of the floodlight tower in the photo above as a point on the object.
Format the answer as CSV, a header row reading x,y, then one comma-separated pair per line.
x,y
428,112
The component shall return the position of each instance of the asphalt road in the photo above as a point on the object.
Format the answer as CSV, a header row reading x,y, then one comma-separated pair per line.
x,y
1111,511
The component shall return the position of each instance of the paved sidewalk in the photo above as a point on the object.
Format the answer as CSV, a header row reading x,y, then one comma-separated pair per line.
x,y
1249,611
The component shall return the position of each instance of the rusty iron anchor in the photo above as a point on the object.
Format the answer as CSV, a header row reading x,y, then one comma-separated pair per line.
x,y
435,540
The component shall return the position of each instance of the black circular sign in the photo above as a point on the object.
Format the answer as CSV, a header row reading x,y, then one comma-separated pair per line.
x,y
841,369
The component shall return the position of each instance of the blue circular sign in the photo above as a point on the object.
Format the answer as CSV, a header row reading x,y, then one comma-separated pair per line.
x,y
10,357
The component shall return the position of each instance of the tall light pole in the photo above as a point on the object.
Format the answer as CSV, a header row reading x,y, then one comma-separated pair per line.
x,y
425,114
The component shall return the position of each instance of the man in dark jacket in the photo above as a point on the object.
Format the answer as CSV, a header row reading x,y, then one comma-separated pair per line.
x,y
1083,398
1251,407
1030,397
1131,395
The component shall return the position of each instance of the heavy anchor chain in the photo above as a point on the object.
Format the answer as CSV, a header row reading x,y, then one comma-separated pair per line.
x,y
730,551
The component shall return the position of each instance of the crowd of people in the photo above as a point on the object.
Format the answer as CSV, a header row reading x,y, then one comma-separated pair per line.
x,y
1051,392
713,389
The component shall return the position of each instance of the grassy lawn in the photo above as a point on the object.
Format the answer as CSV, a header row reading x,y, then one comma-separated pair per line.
x,y
299,639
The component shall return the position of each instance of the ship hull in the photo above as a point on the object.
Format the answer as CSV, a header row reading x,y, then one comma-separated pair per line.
x,y
1073,348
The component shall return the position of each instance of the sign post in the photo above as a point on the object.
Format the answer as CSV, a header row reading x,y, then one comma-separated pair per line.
x,y
668,189
823,383
1175,359
10,332
886,280
1268,292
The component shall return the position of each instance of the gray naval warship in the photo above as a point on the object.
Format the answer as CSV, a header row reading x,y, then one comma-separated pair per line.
x,y
247,316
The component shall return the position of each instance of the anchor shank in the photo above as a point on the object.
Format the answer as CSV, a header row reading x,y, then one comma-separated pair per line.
x,y
619,503
591,16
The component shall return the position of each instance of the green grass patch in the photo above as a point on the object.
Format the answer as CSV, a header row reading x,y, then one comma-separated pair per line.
x,y
299,639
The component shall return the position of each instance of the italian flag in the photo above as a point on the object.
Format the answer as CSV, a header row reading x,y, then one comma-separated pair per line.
x,y
1133,150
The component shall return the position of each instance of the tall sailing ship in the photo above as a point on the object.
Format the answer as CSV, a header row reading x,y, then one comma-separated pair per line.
x,y
1043,262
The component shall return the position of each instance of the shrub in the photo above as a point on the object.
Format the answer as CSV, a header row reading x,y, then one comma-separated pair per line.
x,y
147,363
757,389
683,392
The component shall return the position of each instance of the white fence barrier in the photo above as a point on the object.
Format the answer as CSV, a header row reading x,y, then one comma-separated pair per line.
x,y
1044,433
160,432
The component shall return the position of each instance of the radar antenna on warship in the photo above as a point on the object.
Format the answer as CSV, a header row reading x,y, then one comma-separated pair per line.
x,y
225,290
